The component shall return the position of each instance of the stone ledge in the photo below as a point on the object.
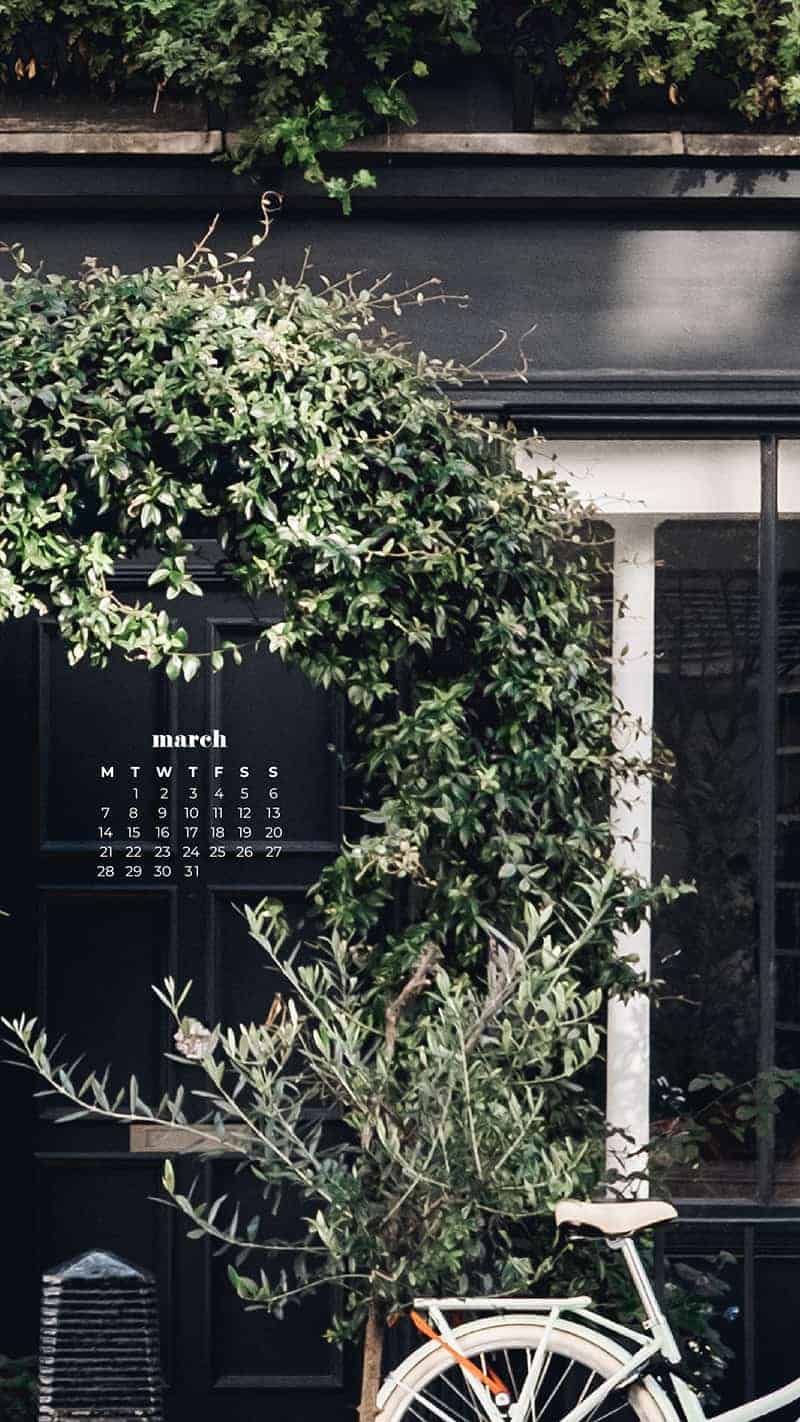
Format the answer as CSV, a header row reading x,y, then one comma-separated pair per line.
x,y
80,142
168,1140
670,144
519,145
87,139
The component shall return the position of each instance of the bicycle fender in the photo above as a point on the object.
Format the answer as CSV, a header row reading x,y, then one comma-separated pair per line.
x,y
691,1405
760,1406
564,1325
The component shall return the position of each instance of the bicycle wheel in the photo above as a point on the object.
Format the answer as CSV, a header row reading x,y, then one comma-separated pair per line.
x,y
430,1384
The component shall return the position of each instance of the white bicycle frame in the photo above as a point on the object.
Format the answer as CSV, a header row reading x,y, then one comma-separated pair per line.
x,y
637,1352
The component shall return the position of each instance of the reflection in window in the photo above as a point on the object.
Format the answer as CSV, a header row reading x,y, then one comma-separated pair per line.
x,y
705,825
787,865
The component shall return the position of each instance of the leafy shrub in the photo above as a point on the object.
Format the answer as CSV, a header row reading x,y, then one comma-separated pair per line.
x,y
451,600
18,1389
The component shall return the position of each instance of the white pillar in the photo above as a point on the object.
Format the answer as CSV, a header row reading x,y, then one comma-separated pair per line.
x,y
628,1044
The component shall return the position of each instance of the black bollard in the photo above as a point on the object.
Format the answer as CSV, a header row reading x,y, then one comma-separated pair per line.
x,y
99,1351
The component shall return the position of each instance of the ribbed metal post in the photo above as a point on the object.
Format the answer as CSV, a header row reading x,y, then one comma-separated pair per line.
x,y
99,1352
768,739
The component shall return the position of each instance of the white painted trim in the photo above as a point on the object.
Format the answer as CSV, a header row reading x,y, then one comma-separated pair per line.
x,y
789,476
700,478
635,485
631,820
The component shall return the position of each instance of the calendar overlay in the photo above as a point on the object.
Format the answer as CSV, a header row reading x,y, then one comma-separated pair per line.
x,y
186,804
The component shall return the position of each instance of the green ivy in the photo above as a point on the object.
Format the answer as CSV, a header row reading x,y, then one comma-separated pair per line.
x,y
448,597
308,78
669,47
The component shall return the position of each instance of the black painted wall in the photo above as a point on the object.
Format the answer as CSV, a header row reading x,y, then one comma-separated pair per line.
x,y
615,293
638,272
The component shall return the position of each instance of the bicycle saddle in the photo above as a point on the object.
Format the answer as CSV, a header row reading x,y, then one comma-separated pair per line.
x,y
614,1218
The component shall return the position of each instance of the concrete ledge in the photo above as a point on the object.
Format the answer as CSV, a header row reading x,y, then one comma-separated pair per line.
x,y
669,144
102,140
520,145
168,1140
742,145
87,142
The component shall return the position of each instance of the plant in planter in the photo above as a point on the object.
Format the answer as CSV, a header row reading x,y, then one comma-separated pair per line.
x,y
459,1105
452,602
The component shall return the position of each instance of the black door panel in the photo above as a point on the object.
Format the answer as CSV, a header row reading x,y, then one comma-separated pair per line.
x,y
83,952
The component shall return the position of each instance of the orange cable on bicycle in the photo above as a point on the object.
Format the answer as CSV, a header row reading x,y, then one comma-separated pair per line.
x,y
490,1380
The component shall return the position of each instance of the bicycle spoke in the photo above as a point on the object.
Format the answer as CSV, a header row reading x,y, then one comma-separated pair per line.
x,y
542,1375
451,1381
560,1381
536,1413
563,1382
587,1386
604,1416
425,1406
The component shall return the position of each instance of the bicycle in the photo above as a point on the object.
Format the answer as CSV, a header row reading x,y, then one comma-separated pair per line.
x,y
555,1360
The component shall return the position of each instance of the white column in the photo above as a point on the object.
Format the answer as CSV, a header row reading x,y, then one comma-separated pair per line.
x,y
628,1045
634,484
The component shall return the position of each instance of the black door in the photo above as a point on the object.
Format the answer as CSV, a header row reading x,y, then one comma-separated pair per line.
x,y
90,930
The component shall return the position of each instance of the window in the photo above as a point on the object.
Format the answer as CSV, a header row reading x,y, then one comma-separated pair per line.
x,y
707,613
707,601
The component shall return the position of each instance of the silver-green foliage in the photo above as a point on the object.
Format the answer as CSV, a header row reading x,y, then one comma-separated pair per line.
x,y
413,1130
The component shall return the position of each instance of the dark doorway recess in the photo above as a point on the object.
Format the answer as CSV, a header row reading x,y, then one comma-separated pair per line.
x,y
83,953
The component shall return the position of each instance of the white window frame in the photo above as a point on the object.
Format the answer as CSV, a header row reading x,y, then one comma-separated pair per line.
x,y
634,485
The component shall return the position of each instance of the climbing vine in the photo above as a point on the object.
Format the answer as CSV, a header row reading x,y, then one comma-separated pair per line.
x,y
448,599
305,79
423,578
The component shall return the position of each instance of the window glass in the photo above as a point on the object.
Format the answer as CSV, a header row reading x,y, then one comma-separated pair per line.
x,y
787,829
705,830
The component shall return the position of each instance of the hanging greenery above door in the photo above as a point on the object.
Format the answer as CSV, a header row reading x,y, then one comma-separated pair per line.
x,y
305,79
